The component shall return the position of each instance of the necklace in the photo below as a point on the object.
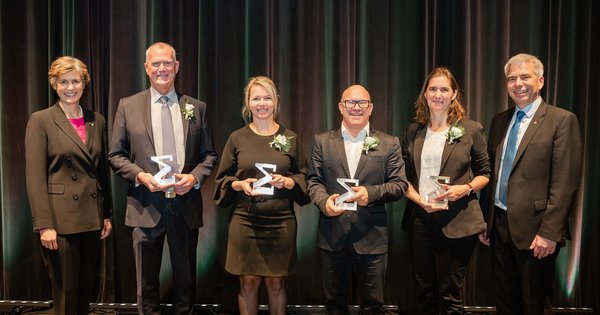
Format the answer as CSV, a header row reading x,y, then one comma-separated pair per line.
x,y
79,113
271,130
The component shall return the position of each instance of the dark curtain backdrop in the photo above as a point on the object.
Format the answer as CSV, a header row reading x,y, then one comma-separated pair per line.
x,y
312,50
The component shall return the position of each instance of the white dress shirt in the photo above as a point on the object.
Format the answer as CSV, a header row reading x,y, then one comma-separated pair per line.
x,y
353,147
155,108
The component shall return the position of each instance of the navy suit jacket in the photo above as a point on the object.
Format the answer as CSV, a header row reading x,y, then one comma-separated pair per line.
x,y
461,161
381,171
132,145
545,176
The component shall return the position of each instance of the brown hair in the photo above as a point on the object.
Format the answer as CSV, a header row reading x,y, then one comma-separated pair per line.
x,y
456,111
271,89
66,64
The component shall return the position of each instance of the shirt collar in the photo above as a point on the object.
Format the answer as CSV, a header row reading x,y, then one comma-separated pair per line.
x,y
362,134
530,109
154,96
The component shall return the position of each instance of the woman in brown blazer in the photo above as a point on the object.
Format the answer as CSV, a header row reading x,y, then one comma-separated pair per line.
x,y
443,142
67,185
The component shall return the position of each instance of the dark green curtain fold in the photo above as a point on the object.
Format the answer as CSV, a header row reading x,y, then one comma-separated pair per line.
x,y
313,50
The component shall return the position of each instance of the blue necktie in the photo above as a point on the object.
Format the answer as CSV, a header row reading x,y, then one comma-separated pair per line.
x,y
509,156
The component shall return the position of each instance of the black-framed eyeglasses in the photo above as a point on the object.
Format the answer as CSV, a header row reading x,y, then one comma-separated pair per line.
x,y
360,103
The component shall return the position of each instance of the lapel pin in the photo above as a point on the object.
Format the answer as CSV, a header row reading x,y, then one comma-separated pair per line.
x,y
535,122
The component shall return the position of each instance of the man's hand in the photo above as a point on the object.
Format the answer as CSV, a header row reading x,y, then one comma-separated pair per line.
x,y
48,238
184,183
542,247
148,180
361,197
331,209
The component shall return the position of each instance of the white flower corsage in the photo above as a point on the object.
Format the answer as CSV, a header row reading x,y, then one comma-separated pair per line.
x,y
370,144
281,143
454,133
187,110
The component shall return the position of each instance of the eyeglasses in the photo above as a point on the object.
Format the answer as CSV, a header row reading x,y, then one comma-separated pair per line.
x,y
361,103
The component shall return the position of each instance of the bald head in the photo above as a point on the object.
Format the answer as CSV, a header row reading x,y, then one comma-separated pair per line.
x,y
356,92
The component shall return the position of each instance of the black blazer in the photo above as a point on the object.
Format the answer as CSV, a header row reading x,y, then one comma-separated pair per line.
x,y
381,171
545,177
67,180
461,161
132,145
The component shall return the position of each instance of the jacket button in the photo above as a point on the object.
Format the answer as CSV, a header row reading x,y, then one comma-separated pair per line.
x,y
74,176
75,196
68,157
93,195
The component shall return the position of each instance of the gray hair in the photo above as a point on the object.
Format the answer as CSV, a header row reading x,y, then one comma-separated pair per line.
x,y
538,66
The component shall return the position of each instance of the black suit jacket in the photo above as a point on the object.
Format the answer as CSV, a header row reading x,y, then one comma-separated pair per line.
x,y
132,145
461,161
67,180
545,177
381,171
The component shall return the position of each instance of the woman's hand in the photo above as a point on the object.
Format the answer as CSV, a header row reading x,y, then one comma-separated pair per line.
x,y
106,228
454,192
281,182
48,238
430,207
245,186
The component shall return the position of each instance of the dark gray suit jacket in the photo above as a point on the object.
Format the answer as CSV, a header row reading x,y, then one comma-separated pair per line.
x,y
381,171
67,180
545,177
461,161
132,145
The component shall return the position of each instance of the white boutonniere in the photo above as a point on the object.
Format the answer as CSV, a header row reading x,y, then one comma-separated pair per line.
x,y
187,110
454,133
281,143
370,144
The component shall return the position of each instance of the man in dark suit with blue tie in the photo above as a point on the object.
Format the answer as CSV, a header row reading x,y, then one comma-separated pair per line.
x,y
535,149
161,122
355,239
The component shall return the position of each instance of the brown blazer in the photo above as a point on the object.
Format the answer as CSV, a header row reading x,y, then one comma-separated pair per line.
x,y
381,172
545,177
461,161
132,145
67,180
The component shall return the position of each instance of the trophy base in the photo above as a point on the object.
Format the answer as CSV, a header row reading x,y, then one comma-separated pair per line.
x,y
170,194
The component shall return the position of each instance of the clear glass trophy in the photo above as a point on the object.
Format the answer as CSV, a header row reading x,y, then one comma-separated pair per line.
x,y
166,175
437,189
341,200
259,186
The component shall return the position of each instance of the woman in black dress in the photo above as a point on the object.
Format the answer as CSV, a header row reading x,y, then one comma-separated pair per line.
x,y
262,229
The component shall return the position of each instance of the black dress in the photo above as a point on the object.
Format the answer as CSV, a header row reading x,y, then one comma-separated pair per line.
x,y
262,229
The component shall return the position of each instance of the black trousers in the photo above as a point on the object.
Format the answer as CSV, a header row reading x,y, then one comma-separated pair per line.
x,y
73,268
439,265
370,275
521,281
148,249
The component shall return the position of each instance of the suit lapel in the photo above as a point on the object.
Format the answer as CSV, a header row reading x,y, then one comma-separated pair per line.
x,y
448,148
501,136
90,128
418,142
185,123
60,119
364,157
146,109
533,127
338,142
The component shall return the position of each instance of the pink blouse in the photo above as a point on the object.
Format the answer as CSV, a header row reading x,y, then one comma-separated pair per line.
x,y
79,125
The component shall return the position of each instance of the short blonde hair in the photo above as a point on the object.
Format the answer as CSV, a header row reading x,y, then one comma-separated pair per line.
x,y
268,84
64,65
456,111
538,66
